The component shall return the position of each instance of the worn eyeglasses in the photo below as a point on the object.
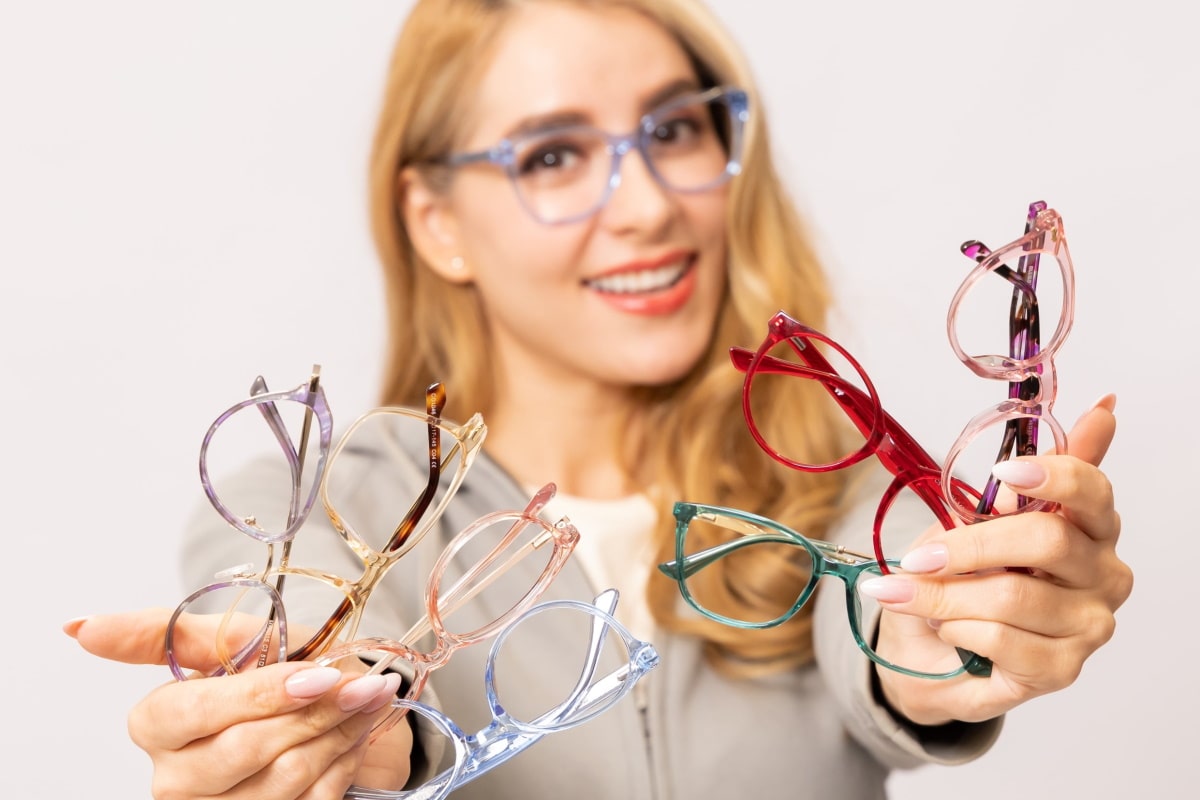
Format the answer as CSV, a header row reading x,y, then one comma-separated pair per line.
x,y
1025,361
566,173
707,534
382,441
512,555
609,663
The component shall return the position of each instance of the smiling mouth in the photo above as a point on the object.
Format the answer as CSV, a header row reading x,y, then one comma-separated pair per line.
x,y
646,281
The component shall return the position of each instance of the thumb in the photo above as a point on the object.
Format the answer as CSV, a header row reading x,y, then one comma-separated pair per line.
x,y
133,637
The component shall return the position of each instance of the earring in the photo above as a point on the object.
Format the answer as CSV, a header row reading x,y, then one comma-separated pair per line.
x,y
457,264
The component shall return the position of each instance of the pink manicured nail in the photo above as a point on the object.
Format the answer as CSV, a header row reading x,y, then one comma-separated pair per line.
x,y
360,691
1020,474
386,695
71,627
926,558
312,682
889,589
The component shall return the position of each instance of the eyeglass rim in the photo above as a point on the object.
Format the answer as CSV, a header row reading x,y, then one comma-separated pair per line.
x,y
783,327
564,538
246,584
469,435
503,153
303,394
641,658
1048,226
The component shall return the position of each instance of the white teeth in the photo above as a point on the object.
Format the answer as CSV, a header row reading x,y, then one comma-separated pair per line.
x,y
649,280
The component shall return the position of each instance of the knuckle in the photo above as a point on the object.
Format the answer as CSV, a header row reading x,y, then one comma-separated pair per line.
x,y
163,787
292,769
1054,536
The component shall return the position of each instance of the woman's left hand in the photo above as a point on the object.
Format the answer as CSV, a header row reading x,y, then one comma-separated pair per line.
x,y
1037,626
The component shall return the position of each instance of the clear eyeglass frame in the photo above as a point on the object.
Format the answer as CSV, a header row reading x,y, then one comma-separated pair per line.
x,y
506,736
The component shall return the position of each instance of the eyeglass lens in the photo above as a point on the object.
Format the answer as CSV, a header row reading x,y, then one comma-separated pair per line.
x,y
383,452
566,173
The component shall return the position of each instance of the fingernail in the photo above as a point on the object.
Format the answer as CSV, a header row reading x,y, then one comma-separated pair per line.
x,y
889,589
926,558
71,627
1020,474
386,695
1108,402
934,623
360,691
312,682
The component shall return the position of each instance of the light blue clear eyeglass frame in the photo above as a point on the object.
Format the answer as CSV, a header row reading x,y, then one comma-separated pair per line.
x,y
826,558
504,153
505,737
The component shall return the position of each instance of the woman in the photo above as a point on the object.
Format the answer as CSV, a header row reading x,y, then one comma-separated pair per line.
x,y
590,322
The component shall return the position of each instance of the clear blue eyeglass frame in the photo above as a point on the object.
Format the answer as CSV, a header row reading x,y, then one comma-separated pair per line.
x,y
826,559
504,153
505,736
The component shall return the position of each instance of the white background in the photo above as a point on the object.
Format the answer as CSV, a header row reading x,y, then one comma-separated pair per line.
x,y
182,207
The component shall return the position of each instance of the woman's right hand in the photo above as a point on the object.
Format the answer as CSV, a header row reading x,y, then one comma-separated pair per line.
x,y
286,731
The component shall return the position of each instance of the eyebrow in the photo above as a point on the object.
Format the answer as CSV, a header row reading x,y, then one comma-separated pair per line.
x,y
565,119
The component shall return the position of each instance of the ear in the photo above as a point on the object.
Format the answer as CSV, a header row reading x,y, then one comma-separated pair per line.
x,y
431,226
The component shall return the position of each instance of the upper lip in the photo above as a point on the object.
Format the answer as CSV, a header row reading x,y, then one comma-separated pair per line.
x,y
671,257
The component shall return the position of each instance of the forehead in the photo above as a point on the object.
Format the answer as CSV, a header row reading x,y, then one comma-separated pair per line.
x,y
603,63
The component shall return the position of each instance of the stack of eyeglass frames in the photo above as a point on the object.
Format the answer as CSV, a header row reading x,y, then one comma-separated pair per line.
x,y
254,603
293,428
1004,282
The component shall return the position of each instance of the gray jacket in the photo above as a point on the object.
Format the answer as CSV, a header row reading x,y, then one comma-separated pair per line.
x,y
815,732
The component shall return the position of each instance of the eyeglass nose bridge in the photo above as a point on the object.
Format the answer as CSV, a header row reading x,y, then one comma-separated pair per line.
x,y
618,147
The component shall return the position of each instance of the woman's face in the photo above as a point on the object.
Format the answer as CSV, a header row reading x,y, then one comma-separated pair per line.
x,y
629,295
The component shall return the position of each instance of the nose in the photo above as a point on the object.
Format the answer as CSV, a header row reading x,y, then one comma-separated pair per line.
x,y
638,199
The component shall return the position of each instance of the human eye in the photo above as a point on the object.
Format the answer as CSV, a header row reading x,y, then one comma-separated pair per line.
x,y
681,129
547,157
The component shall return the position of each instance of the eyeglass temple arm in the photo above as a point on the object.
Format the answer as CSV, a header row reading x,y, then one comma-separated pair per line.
x,y
752,534
580,695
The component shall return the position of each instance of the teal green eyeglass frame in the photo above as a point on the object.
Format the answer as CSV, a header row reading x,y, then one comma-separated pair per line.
x,y
827,560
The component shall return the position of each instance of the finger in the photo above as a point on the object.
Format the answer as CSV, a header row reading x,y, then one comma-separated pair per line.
x,y
1039,663
1082,491
139,637
1047,542
178,713
292,751
1014,599
388,760
283,753
133,637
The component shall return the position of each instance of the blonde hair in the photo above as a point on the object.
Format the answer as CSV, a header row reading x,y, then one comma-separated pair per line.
x,y
699,449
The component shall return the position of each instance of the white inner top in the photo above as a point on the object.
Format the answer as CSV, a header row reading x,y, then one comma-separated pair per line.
x,y
615,550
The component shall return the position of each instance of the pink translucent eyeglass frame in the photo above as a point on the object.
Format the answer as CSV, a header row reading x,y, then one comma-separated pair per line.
x,y
561,536
1029,365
